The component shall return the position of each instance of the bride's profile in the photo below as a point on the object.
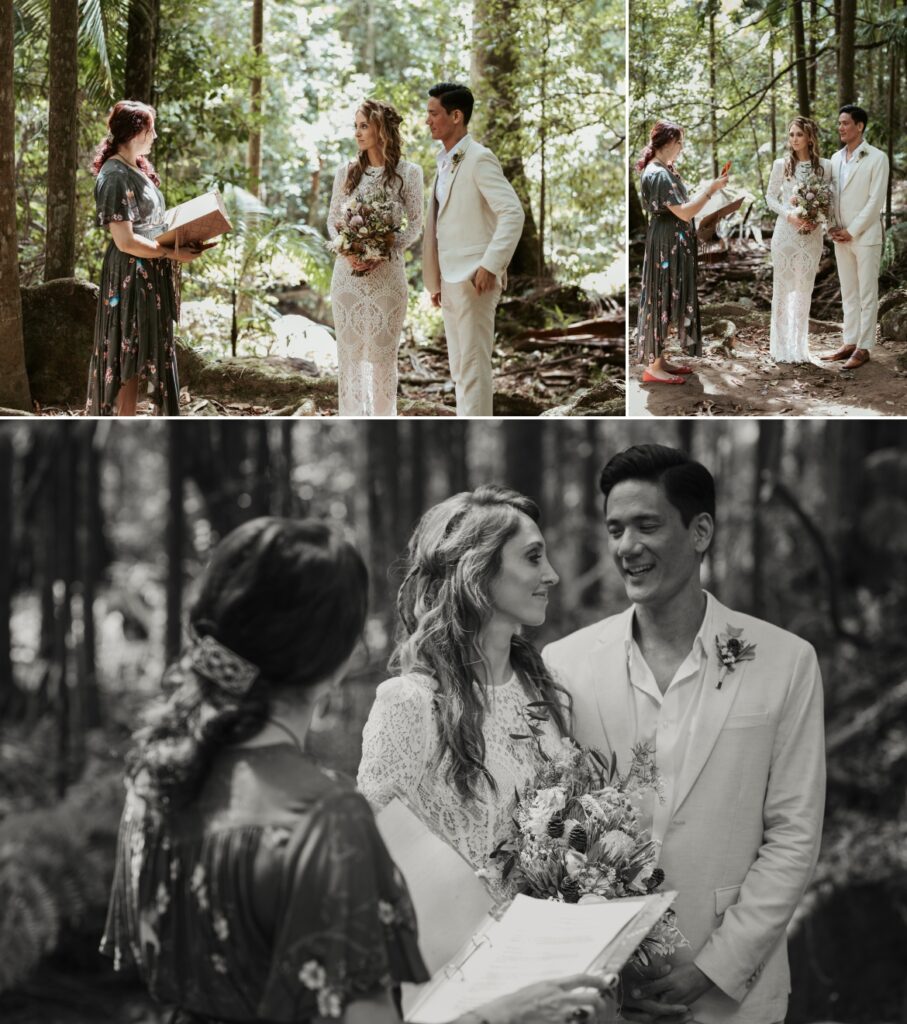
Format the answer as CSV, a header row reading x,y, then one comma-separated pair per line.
x,y
439,735
369,290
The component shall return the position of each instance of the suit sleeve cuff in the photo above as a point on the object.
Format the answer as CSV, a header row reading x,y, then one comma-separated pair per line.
x,y
708,962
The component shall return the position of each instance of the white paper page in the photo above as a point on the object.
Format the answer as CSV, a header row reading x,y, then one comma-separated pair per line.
x,y
450,902
536,940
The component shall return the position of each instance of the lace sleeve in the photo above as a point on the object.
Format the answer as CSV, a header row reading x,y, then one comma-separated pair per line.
x,y
337,198
413,201
774,195
396,741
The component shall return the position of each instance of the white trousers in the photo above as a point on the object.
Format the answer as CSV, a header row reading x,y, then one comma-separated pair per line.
x,y
469,327
858,272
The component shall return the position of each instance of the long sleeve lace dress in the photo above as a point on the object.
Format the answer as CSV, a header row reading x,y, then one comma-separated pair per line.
x,y
795,260
369,310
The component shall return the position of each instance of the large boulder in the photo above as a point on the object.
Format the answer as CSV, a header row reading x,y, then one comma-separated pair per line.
x,y
893,315
58,328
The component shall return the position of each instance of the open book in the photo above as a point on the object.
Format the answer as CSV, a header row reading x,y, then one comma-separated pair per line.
x,y
195,221
484,957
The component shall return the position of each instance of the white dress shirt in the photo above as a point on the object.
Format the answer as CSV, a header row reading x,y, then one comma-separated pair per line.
x,y
665,722
847,162
444,158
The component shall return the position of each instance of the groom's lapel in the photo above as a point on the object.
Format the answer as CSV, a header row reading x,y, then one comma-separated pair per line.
x,y
610,681
855,169
453,176
714,709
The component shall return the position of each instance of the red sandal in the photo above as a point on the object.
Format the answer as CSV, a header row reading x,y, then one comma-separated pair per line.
x,y
648,378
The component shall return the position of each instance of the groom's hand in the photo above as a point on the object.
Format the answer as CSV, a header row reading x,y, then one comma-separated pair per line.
x,y
643,1009
484,280
842,235
436,299
685,984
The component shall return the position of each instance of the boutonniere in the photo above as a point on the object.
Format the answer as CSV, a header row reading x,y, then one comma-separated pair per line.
x,y
862,152
731,649
457,157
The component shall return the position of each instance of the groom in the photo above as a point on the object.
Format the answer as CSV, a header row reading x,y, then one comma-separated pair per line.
x,y
732,707
473,226
859,177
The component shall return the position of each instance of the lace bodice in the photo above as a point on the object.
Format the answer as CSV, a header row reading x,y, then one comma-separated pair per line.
x,y
411,193
399,758
369,311
795,260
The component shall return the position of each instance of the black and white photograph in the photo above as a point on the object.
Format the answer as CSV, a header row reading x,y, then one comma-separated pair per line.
x,y
545,722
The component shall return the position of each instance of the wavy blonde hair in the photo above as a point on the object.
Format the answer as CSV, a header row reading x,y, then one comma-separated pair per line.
x,y
811,130
387,121
444,603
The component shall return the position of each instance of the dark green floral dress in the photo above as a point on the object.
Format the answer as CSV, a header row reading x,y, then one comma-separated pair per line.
x,y
668,298
271,898
137,303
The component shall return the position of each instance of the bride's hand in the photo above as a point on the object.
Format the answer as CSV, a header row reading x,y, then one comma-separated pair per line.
x,y
361,265
799,223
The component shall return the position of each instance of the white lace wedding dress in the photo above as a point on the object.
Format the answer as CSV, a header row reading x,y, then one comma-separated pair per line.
x,y
369,311
399,758
795,260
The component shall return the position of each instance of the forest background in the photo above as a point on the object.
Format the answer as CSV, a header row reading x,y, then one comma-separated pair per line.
x,y
107,527
733,73
257,98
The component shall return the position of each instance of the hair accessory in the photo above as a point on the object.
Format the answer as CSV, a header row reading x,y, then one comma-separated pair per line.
x,y
221,666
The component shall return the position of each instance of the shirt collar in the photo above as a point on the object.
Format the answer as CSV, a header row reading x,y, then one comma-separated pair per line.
x,y
705,628
446,155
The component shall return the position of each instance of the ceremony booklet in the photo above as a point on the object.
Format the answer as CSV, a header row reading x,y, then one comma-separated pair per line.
x,y
474,957
195,222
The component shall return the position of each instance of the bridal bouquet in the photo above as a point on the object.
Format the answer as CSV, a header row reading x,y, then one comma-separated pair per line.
x,y
811,199
369,222
576,834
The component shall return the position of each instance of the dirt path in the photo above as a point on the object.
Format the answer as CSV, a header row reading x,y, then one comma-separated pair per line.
x,y
749,383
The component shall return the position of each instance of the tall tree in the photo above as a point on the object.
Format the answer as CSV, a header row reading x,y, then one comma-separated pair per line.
x,y
62,140
796,12
6,577
497,121
847,90
14,391
713,85
142,34
257,99
175,543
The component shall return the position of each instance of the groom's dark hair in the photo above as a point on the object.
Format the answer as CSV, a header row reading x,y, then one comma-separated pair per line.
x,y
454,97
858,114
689,486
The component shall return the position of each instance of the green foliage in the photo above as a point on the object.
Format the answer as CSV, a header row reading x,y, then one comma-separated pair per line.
x,y
56,865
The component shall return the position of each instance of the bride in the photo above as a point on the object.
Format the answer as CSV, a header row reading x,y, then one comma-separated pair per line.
x,y
796,244
439,735
369,298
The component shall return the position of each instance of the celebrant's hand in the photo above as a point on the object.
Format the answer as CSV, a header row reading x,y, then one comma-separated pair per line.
x,y
484,280
181,255
685,983
717,184
575,998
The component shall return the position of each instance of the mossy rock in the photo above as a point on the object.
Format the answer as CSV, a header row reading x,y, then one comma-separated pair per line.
x,y
603,399
266,381
58,327
737,313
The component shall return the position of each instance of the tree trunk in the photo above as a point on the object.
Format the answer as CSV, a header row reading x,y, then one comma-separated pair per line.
x,y
452,438
713,88
85,524
63,571
496,121
175,529
258,19
14,391
7,682
892,123
636,217
846,85
768,462
800,47
773,107
812,70
385,545
523,463
143,28
62,140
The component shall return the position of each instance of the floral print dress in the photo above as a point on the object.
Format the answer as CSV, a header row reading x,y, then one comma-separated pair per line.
x,y
270,899
668,297
137,303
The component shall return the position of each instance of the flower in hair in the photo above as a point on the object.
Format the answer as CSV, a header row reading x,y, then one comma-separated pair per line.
x,y
221,666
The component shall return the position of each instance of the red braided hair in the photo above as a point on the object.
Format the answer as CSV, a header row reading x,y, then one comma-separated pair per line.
x,y
127,119
663,133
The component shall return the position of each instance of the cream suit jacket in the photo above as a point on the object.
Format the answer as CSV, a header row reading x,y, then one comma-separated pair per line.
x,y
743,838
478,225
859,204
